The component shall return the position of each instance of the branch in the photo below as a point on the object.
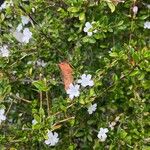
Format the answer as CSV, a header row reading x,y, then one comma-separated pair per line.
x,y
61,121
19,98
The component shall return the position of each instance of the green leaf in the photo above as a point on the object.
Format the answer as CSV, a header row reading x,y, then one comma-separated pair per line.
x,y
37,118
82,101
146,147
92,92
92,40
89,40
2,16
90,138
141,76
73,9
120,23
123,134
40,85
134,73
146,84
41,111
90,122
113,54
82,16
79,134
111,6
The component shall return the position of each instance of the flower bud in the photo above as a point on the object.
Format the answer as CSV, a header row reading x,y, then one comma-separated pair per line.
x,y
135,10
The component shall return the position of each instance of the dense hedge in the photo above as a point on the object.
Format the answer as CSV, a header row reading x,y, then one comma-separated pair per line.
x,y
108,40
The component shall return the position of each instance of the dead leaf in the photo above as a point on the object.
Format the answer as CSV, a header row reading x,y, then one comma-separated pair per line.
x,y
66,72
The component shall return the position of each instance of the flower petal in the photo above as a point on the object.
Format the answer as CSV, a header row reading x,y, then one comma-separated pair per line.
x,y
2,111
77,94
91,83
88,25
71,96
79,81
83,76
47,142
89,33
3,117
19,28
89,76
85,29
105,130
77,86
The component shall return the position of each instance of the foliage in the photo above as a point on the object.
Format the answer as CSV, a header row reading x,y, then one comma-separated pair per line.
x,y
117,56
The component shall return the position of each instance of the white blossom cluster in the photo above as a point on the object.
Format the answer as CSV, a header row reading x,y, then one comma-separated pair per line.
x,y
147,25
4,52
89,28
92,108
22,34
73,90
102,134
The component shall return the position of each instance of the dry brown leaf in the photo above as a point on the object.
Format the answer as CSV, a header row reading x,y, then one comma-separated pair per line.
x,y
66,72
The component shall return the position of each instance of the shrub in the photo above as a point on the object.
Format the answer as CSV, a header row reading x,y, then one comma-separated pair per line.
x,y
101,47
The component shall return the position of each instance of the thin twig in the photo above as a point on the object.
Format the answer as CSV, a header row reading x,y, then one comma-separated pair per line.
x,y
9,108
64,120
15,141
19,98
40,93
48,106
41,97
66,109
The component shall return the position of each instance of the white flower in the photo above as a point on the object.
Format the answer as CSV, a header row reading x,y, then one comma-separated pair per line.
x,y
34,122
102,134
27,35
73,91
18,35
87,27
25,20
92,108
2,116
22,37
41,63
147,25
19,28
3,6
135,10
4,52
6,4
52,138
86,80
